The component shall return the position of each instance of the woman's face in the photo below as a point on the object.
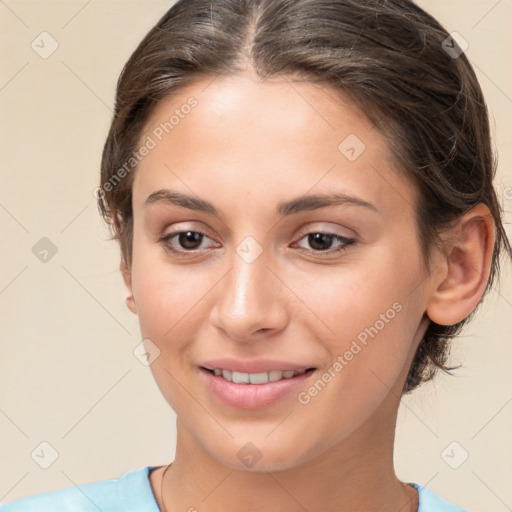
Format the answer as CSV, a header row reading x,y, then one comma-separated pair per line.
x,y
337,285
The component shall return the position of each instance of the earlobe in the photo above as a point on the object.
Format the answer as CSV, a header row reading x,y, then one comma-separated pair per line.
x,y
127,278
466,260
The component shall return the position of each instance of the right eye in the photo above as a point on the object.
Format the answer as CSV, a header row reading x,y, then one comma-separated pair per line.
x,y
189,241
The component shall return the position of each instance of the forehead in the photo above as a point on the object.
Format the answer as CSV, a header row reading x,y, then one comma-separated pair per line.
x,y
262,109
266,139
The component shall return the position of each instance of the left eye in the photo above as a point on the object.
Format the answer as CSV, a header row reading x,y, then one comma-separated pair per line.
x,y
320,240
190,241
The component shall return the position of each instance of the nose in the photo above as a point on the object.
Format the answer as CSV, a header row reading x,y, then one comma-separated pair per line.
x,y
251,300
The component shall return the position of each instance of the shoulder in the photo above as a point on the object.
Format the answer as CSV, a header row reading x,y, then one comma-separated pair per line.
x,y
429,501
115,495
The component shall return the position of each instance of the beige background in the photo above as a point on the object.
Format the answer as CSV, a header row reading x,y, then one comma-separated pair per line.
x,y
68,376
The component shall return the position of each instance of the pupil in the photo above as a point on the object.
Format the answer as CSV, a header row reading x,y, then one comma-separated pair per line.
x,y
189,237
320,238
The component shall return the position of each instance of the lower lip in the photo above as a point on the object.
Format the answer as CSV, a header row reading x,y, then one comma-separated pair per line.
x,y
252,396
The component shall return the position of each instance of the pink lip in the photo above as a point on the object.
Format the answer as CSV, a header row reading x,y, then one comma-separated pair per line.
x,y
251,396
253,366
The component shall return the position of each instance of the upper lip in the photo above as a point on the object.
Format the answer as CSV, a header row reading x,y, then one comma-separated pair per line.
x,y
253,366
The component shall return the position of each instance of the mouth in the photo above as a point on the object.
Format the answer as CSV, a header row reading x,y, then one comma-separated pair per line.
x,y
256,378
254,391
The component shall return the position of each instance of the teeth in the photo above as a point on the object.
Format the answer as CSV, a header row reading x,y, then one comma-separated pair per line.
x,y
256,378
238,377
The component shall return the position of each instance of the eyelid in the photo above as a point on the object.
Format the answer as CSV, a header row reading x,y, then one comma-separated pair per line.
x,y
303,231
182,227
319,227
168,236
344,241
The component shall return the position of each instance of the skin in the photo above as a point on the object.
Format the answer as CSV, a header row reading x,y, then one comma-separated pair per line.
x,y
245,147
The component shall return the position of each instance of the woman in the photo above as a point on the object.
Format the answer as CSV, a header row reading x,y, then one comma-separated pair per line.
x,y
303,196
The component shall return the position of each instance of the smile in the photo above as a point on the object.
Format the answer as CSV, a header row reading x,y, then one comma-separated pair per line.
x,y
256,378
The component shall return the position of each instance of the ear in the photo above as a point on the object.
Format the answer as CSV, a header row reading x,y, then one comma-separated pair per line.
x,y
127,278
465,262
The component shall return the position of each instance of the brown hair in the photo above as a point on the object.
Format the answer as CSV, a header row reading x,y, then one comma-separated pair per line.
x,y
389,56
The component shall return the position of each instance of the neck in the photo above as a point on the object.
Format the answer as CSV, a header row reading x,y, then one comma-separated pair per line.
x,y
357,474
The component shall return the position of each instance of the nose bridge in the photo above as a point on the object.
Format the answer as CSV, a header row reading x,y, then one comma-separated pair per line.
x,y
251,295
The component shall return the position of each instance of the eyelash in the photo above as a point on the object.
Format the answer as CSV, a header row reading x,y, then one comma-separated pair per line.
x,y
183,254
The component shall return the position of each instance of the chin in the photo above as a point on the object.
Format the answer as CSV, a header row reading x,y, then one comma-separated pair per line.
x,y
261,454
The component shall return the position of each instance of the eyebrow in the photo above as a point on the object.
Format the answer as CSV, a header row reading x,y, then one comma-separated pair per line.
x,y
284,208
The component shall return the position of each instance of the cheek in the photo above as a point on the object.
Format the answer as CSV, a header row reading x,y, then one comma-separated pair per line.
x,y
369,356
169,306
167,300
371,311
349,300
174,303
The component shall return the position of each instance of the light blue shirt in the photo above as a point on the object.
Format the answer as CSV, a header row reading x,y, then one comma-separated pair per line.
x,y
132,491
